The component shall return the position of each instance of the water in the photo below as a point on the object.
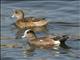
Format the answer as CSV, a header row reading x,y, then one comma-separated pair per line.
x,y
63,17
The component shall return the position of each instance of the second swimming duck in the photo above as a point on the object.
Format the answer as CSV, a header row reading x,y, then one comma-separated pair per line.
x,y
44,42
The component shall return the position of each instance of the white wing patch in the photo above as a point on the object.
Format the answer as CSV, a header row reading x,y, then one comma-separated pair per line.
x,y
41,40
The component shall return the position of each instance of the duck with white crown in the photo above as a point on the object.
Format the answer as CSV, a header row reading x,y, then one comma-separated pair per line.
x,y
44,42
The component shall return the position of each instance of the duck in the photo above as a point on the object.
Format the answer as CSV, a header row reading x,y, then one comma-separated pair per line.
x,y
29,22
44,42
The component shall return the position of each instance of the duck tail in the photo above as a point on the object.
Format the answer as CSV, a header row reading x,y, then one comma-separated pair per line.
x,y
62,41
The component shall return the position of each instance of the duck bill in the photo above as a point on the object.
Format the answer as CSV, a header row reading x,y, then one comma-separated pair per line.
x,y
12,16
23,36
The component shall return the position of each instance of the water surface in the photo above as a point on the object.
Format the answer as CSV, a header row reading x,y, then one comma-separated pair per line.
x,y
63,17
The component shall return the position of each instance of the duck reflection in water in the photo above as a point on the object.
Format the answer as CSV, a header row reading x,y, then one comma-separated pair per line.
x,y
19,32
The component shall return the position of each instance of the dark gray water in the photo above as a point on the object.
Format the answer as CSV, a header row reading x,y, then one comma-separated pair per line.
x,y
63,17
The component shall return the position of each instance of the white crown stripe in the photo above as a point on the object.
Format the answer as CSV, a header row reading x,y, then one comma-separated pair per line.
x,y
25,33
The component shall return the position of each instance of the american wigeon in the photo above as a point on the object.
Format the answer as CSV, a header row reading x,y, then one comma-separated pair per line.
x,y
29,22
44,42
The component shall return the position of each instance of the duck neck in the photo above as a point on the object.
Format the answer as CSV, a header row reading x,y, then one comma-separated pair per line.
x,y
20,18
32,37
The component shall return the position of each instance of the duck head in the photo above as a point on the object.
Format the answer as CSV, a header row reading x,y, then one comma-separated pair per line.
x,y
19,14
29,34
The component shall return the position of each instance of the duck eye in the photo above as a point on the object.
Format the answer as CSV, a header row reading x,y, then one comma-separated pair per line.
x,y
16,12
29,31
